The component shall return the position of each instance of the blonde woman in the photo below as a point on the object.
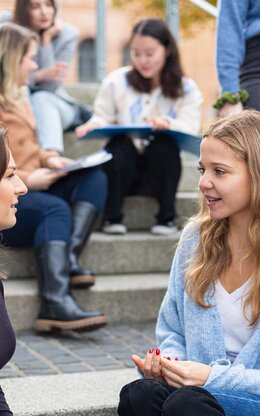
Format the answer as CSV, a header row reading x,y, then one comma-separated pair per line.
x,y
208,330
58,213
11,188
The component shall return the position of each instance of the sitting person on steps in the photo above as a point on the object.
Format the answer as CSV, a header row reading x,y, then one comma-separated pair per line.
x,y
58,41
58,213
153,90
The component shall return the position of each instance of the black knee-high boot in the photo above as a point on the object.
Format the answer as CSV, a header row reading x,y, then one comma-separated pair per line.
x,y
84,216
58,309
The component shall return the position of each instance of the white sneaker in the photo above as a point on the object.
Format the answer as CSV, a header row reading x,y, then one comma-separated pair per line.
x,y
169,228
110,228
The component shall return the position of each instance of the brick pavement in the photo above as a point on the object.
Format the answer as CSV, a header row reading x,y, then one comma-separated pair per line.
x,y
109,348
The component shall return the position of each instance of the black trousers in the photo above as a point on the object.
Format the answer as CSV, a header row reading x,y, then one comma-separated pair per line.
x,y
4,408
156,172
250,73
147,397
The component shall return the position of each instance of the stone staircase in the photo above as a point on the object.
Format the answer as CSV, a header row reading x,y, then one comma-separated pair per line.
x,y
132,278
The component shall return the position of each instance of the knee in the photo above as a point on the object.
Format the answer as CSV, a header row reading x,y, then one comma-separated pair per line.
x,y
60,209
40,97
93,188
141,397
185,399
133,397
164,152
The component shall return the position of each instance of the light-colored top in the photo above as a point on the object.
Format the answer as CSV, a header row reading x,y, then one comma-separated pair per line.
x,y
118,103
236,327
190,332
62,49
238,21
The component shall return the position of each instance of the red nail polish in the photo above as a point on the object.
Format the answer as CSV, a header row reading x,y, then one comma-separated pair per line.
x,y
157,352
150,351
176,359
169,358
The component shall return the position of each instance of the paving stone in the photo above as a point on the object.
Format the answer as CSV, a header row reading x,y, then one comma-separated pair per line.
x,y
65,358
8,373
42,372
108,348
73,368
100,361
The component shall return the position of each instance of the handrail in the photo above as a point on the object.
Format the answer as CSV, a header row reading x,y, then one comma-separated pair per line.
x,y
207,7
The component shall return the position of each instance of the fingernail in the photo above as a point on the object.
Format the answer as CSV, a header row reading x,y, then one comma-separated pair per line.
x,y
176,359
150,351
157,352
169,358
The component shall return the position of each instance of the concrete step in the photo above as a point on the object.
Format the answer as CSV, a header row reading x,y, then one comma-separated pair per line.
x,y
106,254
123,298
82,394
85,92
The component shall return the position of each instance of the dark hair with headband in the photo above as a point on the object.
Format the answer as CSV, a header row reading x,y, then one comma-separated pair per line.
x,y
172,73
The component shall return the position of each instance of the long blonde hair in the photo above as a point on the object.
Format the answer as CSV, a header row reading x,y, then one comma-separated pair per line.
x,y
242,133
14,43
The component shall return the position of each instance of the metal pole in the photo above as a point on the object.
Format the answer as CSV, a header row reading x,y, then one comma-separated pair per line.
x,y
172,16
100,40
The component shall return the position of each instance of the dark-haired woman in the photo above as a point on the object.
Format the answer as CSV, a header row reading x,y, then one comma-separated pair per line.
x,y
153,90
56,49
11,188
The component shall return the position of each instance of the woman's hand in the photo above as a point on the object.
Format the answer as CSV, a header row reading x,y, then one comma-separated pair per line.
x,y
52,32
56,72
151,365
85,128
159,123
57,162
184,373
230,109
41,179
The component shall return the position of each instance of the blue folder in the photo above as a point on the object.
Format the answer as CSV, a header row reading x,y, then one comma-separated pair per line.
x,y
184,141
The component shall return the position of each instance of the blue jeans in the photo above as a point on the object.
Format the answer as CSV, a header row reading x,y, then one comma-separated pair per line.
x,y
53,116
236,403
46,216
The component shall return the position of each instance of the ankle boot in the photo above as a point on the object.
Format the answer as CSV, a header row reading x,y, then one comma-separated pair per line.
x,y
58,309
84,216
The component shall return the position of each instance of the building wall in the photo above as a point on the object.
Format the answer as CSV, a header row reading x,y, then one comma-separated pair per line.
x,y
197,52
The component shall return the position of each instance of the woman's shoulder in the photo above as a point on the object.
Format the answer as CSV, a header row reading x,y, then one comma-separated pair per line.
x,y
118,76
190,235
189,85
68,31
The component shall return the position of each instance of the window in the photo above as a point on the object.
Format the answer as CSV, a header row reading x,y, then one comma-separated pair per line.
x,y
126,55
87,61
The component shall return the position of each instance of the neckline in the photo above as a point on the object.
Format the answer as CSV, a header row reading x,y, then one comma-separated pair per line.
x,y
237,293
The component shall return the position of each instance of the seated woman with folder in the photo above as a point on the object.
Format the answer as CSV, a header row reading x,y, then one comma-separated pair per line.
x,y
152,90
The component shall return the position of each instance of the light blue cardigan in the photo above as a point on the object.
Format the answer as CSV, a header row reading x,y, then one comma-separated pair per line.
x,y
190,332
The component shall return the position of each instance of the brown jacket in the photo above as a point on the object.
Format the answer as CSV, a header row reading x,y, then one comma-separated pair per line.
x,y
22,139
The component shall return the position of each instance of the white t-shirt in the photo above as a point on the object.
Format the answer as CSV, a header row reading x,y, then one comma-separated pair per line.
x,y
236,327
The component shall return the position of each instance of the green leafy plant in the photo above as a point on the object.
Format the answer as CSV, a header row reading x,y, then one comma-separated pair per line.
x,y
192,18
